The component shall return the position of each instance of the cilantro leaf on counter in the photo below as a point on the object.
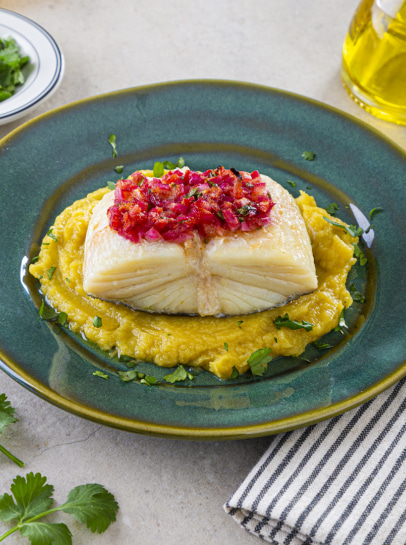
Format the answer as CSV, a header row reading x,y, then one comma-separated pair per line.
x,y
285,321
31,500
11,63
7,417
258,361
112,142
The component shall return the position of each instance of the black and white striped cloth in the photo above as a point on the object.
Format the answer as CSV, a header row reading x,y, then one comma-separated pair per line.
x,y
340,482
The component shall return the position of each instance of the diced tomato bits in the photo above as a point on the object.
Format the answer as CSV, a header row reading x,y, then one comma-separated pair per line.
x,y
212,203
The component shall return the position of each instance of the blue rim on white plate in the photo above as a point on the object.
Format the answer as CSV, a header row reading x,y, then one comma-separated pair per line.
x,y
43,73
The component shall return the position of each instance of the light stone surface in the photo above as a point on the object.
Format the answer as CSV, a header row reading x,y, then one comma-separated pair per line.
x,y
169,491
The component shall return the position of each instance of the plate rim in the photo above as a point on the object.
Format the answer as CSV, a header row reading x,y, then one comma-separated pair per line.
x,y
52,83
306,418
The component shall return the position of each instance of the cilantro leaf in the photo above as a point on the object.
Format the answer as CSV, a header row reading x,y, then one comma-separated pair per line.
x,y
180,373
100,374
149,381
234,373
158,169
309,155
239,323
352,230
285,321
293,184
356,295
43,533
258,361
322,346
11,63
226,347
112,142
332,208
91,504
341,323
97,321
111,186
119,169
32,496
374,211
359,254
7,417
160,166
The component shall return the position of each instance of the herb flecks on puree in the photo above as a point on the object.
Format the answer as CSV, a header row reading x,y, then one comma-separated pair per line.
x,y
196,341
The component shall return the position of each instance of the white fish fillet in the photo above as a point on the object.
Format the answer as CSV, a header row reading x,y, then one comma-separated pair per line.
x,y
236,274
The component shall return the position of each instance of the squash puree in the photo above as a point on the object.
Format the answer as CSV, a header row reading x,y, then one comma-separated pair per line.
x,y
194,341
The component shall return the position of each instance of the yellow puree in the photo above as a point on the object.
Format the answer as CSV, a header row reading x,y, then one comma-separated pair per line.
x,y
194,341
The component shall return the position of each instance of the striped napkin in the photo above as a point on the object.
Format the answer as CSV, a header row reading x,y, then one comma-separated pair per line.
x,y
340,482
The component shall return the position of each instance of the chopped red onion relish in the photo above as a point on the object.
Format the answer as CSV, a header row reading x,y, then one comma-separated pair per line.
x,y
213,203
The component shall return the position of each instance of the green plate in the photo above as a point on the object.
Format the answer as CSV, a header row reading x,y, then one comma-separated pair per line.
x,y
60,156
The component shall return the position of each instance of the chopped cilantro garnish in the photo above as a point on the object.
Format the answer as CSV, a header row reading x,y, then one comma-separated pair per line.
x,y
50,272
47,313
112,142
35,259
234,373
308,155
293,184
341,323
119,169
352,230
97,321
67,280
359,254
356,295
226,347
159,167
258,361
100,374
291,324
127,376
111,185
332,208
375,211
149,381
51,235
322,346
11,63
239,323
62,318
179,374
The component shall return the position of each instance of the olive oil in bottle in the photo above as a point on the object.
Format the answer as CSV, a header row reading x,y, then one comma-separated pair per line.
x,y
374,58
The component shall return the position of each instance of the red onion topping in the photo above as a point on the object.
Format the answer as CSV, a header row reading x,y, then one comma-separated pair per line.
x,y
213,203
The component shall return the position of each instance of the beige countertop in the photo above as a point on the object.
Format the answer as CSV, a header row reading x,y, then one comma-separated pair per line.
x,y
169,491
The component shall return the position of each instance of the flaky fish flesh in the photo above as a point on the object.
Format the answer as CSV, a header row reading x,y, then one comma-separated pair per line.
x,y
239,273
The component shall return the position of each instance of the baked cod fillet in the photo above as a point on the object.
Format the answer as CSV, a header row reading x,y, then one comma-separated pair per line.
x,y
239,273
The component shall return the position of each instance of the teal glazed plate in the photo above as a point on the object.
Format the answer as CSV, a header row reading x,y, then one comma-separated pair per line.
x,y
59,157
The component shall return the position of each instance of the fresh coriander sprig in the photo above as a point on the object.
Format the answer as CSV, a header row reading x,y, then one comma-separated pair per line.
x,y
352,230
91,504
7,417
11,63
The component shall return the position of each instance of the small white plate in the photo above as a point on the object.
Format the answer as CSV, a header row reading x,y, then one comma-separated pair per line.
x,y
44,71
